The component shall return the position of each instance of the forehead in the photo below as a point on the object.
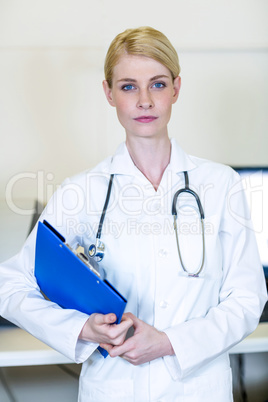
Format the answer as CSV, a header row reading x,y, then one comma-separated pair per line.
x,y
135,66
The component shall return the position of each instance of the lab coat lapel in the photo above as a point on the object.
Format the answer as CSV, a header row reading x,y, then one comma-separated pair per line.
x,y
179,162
122,165
121,162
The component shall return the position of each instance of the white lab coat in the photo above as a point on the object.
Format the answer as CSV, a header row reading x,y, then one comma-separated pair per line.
x,y
203,317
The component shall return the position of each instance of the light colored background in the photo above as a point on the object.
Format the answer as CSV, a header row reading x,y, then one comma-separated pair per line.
x,y
54,118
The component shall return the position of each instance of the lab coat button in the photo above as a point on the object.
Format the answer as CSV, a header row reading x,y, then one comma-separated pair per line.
x,y
163,304
163,253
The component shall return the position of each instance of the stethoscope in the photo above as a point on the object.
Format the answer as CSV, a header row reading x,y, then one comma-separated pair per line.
x,y
97,250
186,189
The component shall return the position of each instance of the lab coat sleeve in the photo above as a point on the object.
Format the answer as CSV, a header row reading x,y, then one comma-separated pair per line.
x,y
21,301
242,295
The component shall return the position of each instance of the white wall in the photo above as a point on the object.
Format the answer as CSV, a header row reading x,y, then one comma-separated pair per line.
x,y
54,117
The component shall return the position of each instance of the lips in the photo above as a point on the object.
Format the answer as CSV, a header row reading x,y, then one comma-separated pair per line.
x,y
145,119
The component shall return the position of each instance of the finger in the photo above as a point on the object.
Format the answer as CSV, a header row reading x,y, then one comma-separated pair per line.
x,y
128,316
120,350
110,318
106,346
136,322
116,334
132,317
101,319
126,322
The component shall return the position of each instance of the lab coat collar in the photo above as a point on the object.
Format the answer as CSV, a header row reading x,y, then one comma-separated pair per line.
x,y
180,161
122,163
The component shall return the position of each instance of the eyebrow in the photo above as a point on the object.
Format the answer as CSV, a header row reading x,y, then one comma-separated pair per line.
x,y
156,77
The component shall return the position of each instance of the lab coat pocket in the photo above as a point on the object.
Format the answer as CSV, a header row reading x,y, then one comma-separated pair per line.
x,y
210,387
103,391
94,363
197,242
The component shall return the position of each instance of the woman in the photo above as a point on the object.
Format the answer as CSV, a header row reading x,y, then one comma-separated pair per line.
x,y
190,297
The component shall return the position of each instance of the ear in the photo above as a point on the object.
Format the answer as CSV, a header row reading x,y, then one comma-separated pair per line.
x,y
176,87
108,92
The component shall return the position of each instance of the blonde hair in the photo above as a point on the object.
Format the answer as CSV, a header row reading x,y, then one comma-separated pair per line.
x,y
142,41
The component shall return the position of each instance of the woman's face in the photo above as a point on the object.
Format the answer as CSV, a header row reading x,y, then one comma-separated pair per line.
x,y
143,93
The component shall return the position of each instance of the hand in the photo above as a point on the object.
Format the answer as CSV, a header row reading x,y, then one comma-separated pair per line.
x,y
145,345
100,328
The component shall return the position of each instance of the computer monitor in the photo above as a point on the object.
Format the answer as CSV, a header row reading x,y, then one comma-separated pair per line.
x,y
255,184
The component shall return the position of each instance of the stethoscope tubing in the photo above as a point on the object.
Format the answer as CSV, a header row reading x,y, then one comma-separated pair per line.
x,y
106,203
97,250
193,274
186,189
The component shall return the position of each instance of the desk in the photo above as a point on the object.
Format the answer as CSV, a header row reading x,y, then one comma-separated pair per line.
x,y
18,348
254,343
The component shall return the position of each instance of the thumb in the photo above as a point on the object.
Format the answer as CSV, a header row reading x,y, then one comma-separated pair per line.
x,y
109,318
101,319
133,318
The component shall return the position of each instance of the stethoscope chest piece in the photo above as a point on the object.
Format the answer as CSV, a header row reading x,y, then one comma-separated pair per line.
x,y
97,250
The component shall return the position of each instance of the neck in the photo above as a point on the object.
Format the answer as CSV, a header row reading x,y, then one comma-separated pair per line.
x,y
150,156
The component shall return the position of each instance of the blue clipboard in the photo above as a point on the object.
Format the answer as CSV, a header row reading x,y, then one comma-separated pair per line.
x,y
68,280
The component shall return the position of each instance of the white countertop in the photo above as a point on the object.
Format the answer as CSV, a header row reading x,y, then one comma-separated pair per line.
x,y
254,343
18,348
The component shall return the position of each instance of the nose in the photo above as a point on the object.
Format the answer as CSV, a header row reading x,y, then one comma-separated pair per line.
x,y
145,100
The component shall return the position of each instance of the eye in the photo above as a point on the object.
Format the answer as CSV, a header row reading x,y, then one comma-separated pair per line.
x,y
127,87
159,85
